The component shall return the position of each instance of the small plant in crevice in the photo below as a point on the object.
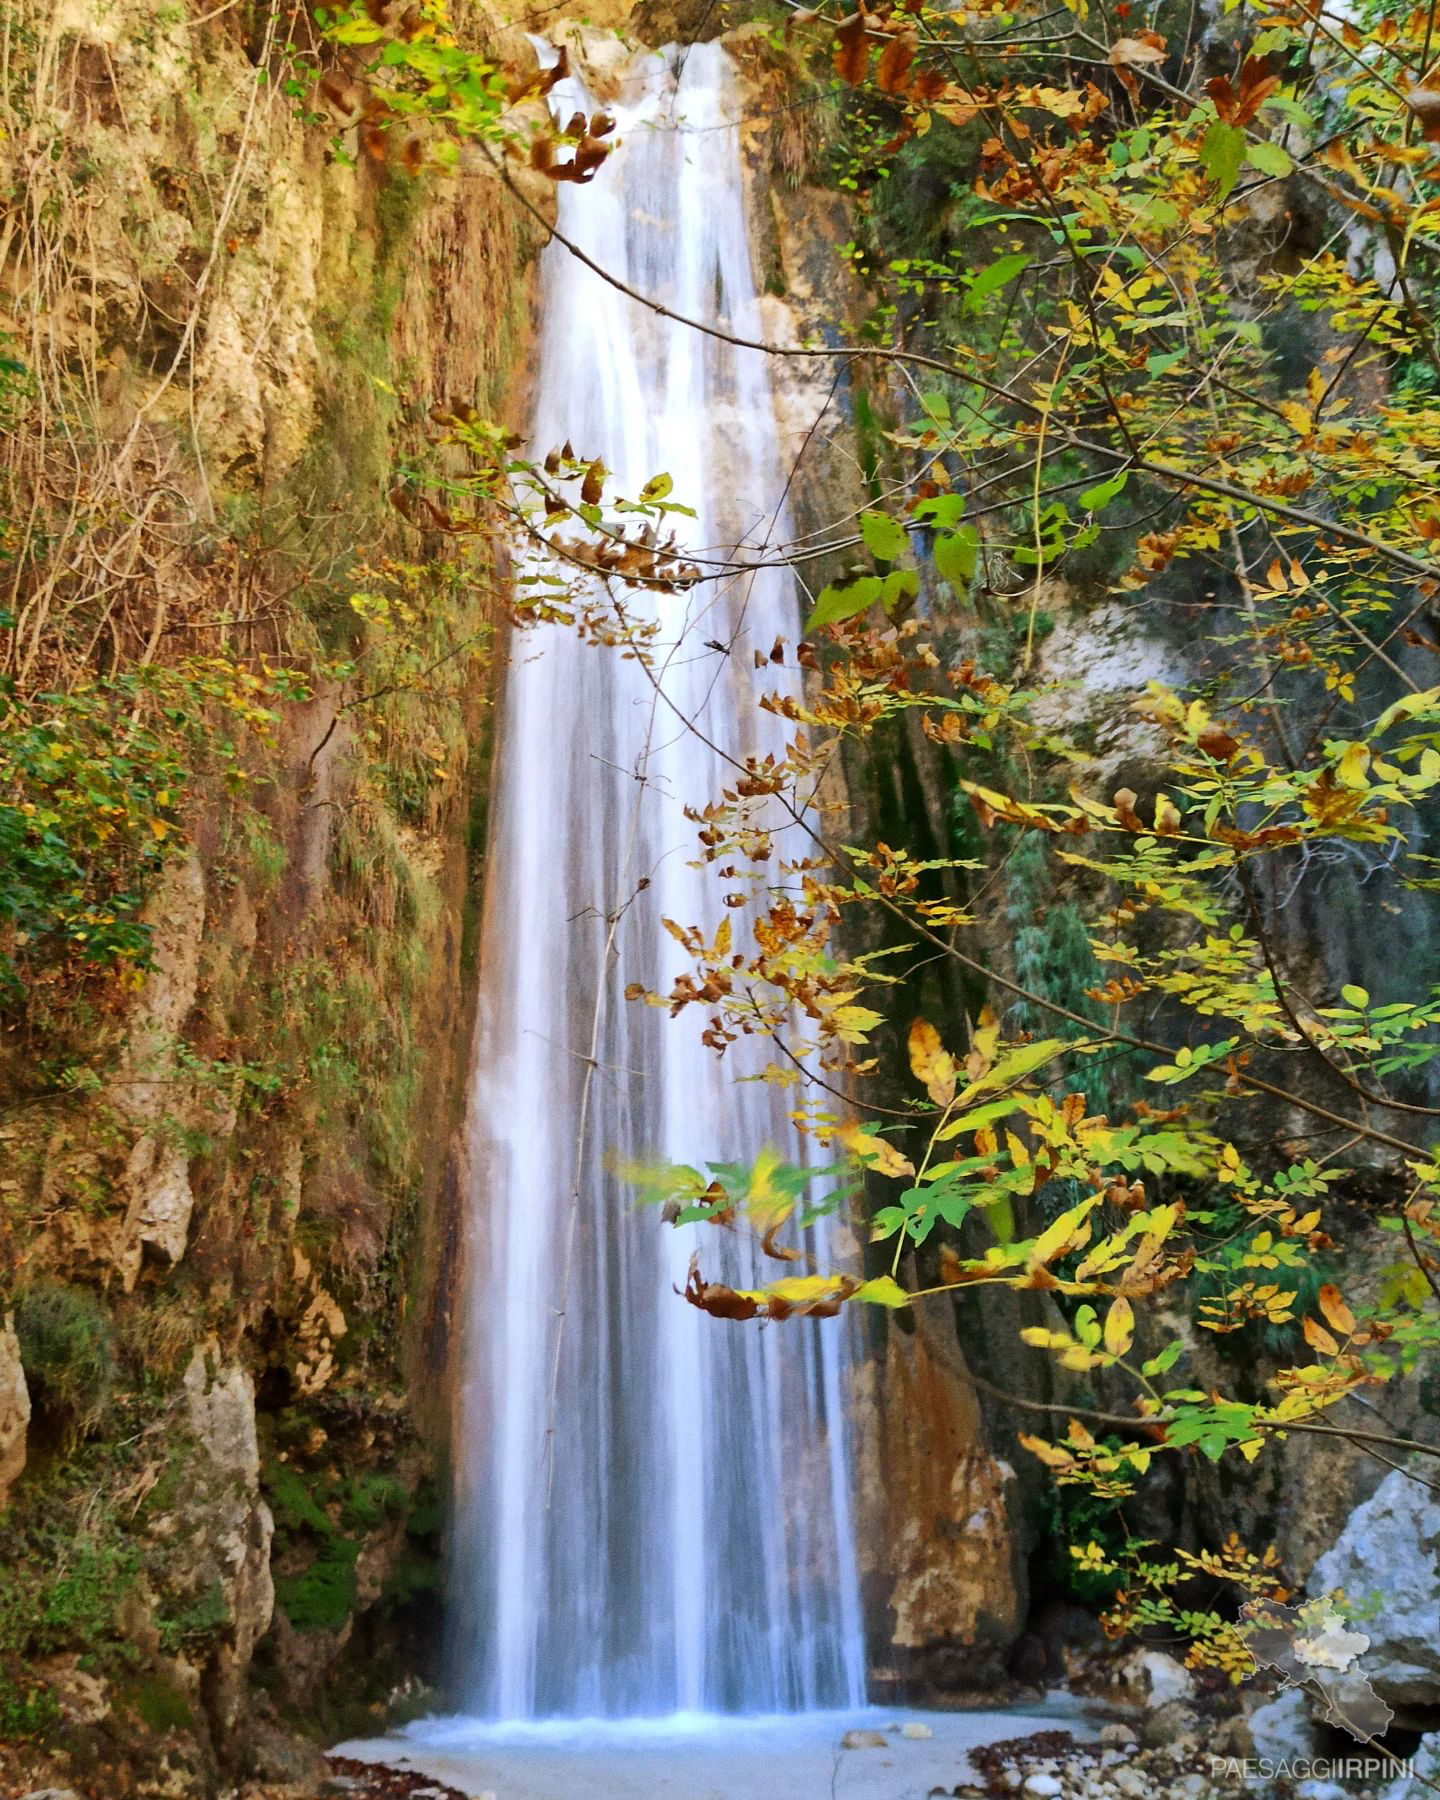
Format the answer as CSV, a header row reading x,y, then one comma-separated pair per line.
x,y
67,1349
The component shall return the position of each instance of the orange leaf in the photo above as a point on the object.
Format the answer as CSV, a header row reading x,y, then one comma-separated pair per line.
x,y
1336,1312
852,50
892,72
1318,1338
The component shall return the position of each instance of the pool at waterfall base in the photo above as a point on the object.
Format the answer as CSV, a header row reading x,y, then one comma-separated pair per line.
x,y
714,1756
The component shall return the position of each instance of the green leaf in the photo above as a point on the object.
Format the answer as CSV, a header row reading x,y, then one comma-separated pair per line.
x,y
1093,499
1003,270
355,31
1269,159
1275,37
899,584
945,510
1222,153
1355,996
836,603
1168,1357
955,556
884,537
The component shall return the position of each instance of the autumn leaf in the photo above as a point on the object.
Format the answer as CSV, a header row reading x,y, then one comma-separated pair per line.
x,y
1318,1338
1354,764
1119,1326
882,1291
931,1063
875,1152
1425,104
1336,1312
892,72
852,50
715,1298
1051,1455
1215,741
1136,53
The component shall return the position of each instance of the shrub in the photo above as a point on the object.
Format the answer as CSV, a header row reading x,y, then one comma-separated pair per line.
x,y
67,1348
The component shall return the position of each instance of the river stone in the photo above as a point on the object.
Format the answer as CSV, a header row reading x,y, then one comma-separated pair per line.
x,y
1168,1727
1281,1729
1160,1677
864,1740
1390,1550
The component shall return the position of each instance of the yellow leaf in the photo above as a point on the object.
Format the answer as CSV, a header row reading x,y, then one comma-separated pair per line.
x,y
1297,417
1051,1455
1336,1312
722,939
1353,765
1059,1236
882,1291
1119,1327
1019,1155
930,1062
801,1289
882,1157
1044,1339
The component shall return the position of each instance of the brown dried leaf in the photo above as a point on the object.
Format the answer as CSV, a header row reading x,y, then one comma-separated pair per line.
x,y
715,1298
852,50
1135,52
892,72
1425,104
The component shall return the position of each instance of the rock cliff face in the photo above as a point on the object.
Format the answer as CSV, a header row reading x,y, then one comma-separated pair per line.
x,y
225,1218
938,1553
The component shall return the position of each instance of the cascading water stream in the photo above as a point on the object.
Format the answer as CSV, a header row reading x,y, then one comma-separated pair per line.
x,y
659,1520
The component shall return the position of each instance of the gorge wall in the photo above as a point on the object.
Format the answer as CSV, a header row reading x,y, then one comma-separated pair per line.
x,y
226,1182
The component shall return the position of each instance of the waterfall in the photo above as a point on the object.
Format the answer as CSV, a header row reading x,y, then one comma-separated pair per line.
x,y
657,1518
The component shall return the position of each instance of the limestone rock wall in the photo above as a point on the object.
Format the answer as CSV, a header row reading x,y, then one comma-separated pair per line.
x,y
227,1189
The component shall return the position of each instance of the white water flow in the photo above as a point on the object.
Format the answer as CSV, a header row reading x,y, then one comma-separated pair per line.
x,y
669,1530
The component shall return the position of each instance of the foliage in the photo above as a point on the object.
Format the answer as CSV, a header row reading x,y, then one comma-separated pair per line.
x,y
417,96
91,782
68,1353
320,1520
